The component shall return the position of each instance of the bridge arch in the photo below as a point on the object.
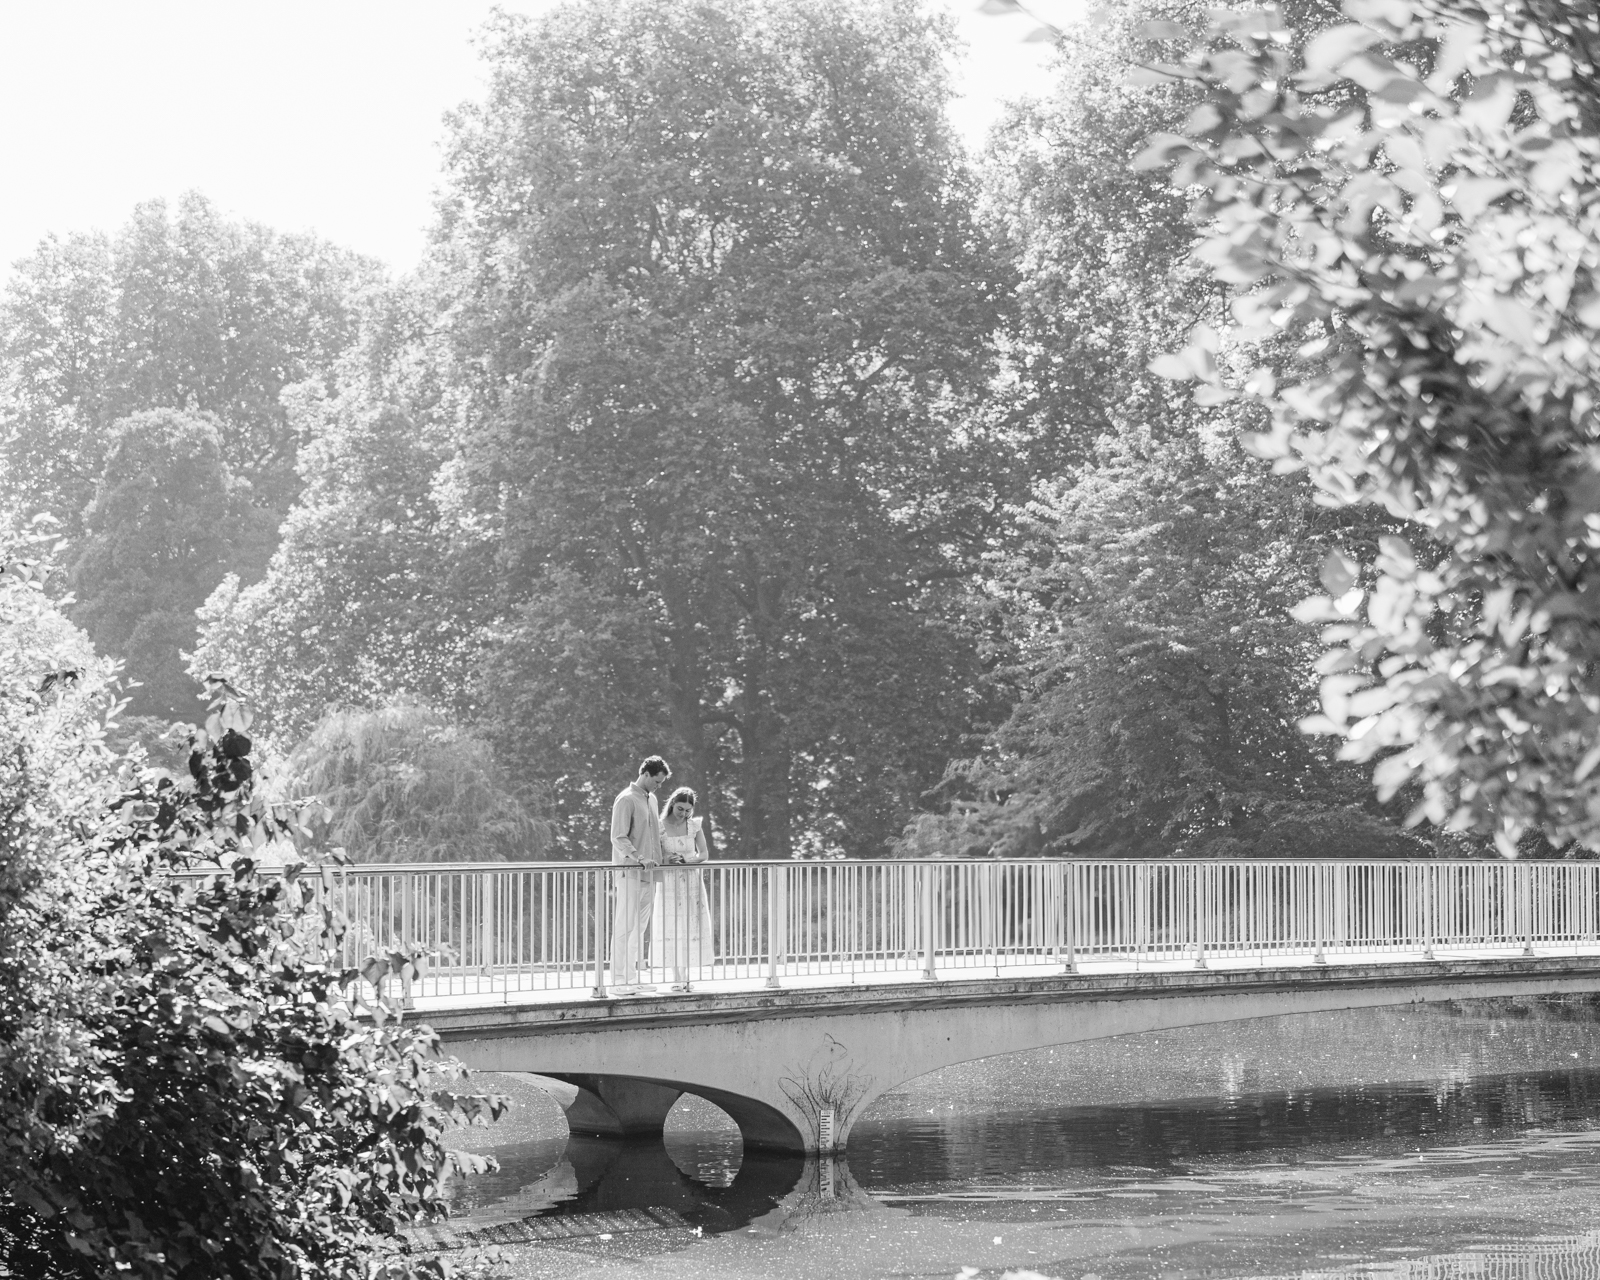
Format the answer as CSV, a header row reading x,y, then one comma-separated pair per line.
x,y
795,1068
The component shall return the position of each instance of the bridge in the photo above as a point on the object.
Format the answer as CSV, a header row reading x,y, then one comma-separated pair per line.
x,y
819,986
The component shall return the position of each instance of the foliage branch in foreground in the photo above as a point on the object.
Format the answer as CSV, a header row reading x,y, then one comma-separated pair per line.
x,y
190,1084
1413,195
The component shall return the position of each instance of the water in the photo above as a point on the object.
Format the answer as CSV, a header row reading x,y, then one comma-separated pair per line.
x,y
1395,1143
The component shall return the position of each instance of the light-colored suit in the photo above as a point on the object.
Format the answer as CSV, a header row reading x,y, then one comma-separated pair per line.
x,y
636,845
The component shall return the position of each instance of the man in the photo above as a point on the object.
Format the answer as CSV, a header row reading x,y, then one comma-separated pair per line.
x,y
636,845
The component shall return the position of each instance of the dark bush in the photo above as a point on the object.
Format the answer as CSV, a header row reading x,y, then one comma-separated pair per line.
x,y
189,1085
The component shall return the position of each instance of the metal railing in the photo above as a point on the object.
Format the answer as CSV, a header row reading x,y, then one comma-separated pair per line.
x,y
554,927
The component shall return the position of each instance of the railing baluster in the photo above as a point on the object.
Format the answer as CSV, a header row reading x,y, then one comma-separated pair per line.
x,y
777,898
542,928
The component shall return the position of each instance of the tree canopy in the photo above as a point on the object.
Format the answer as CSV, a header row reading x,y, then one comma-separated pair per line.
x,y
183,314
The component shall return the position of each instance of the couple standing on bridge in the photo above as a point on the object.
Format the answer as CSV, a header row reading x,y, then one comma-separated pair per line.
x,y
656,892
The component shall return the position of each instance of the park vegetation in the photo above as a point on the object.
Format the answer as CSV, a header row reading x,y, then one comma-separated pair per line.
x,y
192,1084
913,503
738,413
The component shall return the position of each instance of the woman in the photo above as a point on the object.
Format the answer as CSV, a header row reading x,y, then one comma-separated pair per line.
x,y
681,933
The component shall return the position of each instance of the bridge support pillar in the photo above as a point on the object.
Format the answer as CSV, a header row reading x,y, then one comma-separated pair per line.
x,y
617,1106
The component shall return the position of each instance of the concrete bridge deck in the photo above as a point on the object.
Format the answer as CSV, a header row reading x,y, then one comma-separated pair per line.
x,y
794,1066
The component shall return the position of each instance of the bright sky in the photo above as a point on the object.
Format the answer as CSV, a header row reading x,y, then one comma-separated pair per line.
x,y
320,115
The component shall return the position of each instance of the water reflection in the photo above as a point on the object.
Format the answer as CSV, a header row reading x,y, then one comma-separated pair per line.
x,y
1033,1157
693,1177
1290,1155
918,1152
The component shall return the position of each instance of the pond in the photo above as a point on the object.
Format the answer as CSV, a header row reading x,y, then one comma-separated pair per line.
x,y
1423,1140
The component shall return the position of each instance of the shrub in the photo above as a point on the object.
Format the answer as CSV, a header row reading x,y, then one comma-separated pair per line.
x,y
188,1086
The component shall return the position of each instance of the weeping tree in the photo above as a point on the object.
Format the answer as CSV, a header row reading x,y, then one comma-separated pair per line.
x,y
405,783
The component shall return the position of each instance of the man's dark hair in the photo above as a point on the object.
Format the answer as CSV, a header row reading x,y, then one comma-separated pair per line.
x,y
656,767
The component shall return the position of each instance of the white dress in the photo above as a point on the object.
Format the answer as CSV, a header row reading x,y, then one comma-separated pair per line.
x,y
681,934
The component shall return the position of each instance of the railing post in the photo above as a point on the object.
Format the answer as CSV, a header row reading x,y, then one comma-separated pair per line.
x,y
777,919
1318,911
1199,916
602,929
1430,886
487,950
927,872
1526,896
1069,914
1141,911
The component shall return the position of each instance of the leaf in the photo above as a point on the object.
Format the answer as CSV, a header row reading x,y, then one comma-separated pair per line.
x,y
1160,151
1471,196
1488,107
1338,573
1328,50
998,8
1042,35
1161,29
1392,774
1173,367
1397,13
1397,559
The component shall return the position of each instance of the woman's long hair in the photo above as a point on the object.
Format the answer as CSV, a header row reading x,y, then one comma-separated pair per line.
x,y
682,793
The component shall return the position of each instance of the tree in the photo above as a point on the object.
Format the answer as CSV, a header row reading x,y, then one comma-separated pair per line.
x,y
377,590
187,1089
189,312
721,313
1144,598
1100,253
168,520
1162,677
1414,200
403,783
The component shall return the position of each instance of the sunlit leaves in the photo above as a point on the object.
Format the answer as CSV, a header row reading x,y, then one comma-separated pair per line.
x,y
1415,202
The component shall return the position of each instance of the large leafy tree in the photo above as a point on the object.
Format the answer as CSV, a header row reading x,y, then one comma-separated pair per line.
x,y
722,310
1414,198
182,312
405,783
377,590
179,310
1100,252
1162,677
